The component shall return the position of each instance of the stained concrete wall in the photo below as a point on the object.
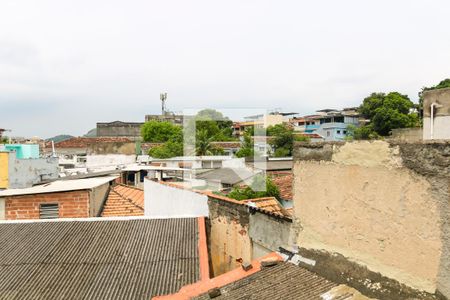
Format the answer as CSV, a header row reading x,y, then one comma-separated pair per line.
x,y
27,172
381,207
407,134
239,234
114,129
268,233
441,116
229,241
126,148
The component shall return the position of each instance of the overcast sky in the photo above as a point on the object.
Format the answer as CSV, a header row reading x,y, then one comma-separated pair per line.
x,y
65,65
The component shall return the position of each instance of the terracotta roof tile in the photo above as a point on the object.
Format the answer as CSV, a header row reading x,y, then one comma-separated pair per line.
x,y
269,205
284,184
124,201
84,142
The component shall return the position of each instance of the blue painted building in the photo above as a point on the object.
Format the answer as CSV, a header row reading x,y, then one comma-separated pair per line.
x,y
23,151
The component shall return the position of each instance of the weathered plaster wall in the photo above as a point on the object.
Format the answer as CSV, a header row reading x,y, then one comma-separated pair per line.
x,y
381,205
127,129
407,134
441,114
127,148
26,172
229,241
268,233
107,160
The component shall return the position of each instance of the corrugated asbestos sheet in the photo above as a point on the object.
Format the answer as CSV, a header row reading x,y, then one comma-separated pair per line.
x,y
126,259
283,281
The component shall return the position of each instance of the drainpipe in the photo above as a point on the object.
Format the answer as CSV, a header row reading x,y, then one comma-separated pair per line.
x,y
433,106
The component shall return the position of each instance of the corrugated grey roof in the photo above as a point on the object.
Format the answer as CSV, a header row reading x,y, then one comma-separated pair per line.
x,y
283,281
60,186
119,259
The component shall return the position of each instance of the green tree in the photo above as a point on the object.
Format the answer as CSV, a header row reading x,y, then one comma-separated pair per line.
x,y
256,189
282,139
160,132
386,112
167,150
203,143
217,126
247,148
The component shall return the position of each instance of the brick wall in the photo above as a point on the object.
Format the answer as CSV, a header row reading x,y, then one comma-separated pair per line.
x,y
74,204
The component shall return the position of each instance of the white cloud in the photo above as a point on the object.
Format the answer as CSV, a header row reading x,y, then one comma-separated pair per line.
x,y
107,60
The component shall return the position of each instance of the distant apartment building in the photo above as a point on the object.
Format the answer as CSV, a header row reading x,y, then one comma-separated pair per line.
x,y
172,118
130,130
261,121
330,124
21,166
436,114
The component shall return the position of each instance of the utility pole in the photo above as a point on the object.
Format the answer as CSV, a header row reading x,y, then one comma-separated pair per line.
x,y
163,97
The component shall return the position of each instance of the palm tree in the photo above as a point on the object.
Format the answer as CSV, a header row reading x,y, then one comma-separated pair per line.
x,y
203,143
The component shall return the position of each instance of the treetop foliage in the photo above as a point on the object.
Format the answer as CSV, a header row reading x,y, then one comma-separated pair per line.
x,y
256,189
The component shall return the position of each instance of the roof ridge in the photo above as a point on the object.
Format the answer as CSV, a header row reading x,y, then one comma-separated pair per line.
x,y
130,186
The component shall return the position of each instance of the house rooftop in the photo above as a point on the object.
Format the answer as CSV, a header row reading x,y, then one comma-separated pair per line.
x,y
84,142
193,158
269,205
60,186
227,175
284,183
101,259
123,201
284,280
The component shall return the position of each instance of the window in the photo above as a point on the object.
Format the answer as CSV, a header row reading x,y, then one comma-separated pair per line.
x,y
328,133
338,132
48,211
345,131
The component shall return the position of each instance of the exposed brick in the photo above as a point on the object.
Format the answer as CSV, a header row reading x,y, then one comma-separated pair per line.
x,y
74,204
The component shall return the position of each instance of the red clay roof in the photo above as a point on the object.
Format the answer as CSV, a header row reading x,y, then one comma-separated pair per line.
x,y
269,205
227,144
84,142
124,201
202,286
284,184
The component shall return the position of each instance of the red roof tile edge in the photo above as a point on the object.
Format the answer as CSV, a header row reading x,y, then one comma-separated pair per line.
x,y
203,286
203,250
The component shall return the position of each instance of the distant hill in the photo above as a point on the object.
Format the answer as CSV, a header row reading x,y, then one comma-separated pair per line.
x,y
59,138
91,133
